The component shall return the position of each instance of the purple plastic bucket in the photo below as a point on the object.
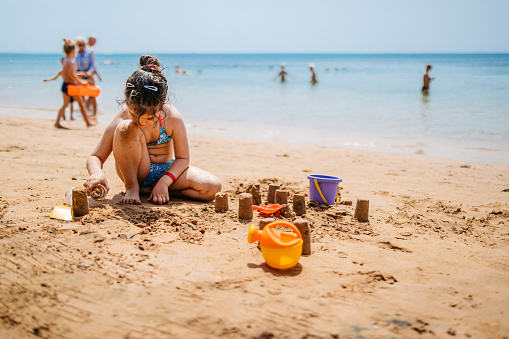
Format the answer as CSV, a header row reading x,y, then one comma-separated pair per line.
x,y
328,186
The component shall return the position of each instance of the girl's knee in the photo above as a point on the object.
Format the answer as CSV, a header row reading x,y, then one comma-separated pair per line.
x,y
127,140
211,187
127,131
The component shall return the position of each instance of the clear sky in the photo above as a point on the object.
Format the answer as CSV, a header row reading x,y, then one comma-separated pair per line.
x,y
258,26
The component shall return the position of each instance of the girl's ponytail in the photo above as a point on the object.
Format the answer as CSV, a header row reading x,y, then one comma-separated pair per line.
x,y
68,46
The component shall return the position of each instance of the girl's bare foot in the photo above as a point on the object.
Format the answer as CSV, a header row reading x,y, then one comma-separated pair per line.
x,y
90,124
132,196
60,126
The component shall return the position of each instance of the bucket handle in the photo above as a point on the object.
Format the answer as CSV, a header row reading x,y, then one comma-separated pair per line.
x,y
285,224
320,191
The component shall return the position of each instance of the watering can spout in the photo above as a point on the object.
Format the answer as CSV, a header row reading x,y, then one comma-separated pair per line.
x,y
273,238
254,234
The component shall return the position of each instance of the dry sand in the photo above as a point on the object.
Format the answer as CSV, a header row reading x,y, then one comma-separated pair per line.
x,y
432,262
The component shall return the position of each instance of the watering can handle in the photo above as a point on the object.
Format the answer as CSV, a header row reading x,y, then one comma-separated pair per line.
x,y
285,224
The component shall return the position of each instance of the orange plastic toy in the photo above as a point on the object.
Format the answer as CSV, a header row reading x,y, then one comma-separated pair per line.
x,y
269,211
280,249
83,90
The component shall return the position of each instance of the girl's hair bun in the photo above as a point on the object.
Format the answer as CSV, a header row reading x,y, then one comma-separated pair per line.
x,y
146,88
149,62
68,45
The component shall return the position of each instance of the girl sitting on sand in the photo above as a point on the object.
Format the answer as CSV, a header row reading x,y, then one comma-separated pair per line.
x,y
149,142
70,78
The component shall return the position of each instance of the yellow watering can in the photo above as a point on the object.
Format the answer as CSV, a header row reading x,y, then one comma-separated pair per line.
x,y
280,249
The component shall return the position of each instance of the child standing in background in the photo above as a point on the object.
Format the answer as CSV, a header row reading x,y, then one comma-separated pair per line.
x,y
70,78
59,74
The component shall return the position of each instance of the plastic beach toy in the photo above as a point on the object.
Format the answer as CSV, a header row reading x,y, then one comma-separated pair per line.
x,y
269,211
323,188
280,249
84,90
62,212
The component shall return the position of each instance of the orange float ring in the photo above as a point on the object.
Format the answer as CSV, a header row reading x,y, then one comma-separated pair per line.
x,y
83,90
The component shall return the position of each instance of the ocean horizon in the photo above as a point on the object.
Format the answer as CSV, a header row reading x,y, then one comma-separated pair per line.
x,y
361,101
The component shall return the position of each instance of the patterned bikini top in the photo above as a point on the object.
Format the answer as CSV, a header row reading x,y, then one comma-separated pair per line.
x,y
163,137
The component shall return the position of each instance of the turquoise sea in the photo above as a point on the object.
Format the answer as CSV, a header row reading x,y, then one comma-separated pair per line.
x,y
363,101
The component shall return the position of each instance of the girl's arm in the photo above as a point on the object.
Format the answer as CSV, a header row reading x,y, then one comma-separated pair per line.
x,y
54,78
75,79
180,164
180,146
102,151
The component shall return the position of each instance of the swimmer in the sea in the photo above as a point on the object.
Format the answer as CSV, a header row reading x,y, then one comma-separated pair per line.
x,y
282,74
426,80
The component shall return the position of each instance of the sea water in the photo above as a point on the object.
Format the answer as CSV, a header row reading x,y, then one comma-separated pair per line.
x,y
361,101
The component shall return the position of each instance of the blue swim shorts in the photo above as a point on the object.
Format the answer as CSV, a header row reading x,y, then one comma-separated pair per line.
x,y
156,171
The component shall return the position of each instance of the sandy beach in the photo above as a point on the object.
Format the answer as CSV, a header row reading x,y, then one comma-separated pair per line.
x,y
432,262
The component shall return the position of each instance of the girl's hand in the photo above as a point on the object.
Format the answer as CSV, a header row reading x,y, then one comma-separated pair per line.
x,y
94,179
159,194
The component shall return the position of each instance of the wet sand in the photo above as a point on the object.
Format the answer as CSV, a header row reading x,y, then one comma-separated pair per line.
x,y
432,262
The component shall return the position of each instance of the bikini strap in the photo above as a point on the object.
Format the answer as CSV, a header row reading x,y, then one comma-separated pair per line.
x,y
160,121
